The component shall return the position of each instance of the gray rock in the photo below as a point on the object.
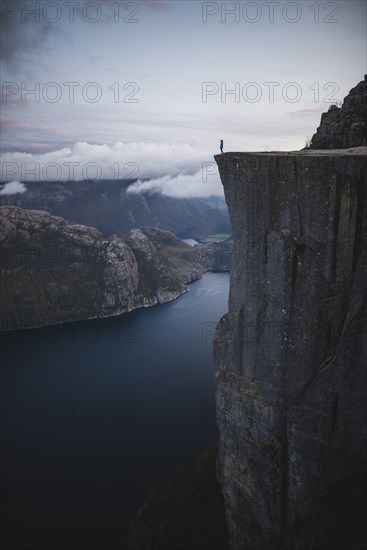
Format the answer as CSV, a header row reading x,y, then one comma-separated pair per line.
x,y
54,271
344,127
291,352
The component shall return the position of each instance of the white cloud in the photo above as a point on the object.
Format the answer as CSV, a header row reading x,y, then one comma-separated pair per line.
x,y
176,169
12,188
196,185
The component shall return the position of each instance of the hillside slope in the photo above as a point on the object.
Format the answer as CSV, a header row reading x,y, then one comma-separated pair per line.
x,y
53,271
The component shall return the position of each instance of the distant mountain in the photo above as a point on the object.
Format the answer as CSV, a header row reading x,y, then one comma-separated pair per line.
x,y
107,205
53,271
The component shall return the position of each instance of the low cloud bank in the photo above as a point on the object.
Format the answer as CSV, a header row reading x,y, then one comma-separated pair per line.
x,y
176,170
12,188
182,186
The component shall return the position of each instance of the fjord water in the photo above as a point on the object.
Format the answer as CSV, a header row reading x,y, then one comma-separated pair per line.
x,y
93,413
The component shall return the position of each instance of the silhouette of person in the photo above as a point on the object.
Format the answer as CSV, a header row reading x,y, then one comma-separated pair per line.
x,y
221,146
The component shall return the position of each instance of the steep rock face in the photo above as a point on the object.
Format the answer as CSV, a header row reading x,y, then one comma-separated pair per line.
x,y
344,127
54,271
219,255
291,352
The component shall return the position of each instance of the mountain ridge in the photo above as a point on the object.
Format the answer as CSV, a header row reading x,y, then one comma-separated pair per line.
x,y
111,208
54,271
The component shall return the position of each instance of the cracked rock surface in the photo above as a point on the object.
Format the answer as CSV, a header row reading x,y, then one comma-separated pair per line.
x,y
291,352
345,126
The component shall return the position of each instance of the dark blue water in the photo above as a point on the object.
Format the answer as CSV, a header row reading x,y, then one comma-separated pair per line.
x,y
94,413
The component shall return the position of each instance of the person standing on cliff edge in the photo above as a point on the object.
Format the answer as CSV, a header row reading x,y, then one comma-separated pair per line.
x,y
221,146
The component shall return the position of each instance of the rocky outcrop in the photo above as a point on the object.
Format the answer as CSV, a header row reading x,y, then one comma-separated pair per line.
x,y
344,127
291,352
219,255
184,511
54,271
108,206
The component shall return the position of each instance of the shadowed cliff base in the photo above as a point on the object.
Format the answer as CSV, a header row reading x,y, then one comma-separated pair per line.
x,y
340,524
184,511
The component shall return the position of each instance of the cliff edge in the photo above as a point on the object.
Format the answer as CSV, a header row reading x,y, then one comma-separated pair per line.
x,y
291,352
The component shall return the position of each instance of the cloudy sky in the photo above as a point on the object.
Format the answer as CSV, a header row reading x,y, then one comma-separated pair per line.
x,y
150,87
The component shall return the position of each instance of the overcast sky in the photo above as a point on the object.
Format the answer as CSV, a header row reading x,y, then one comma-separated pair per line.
x,y
149,82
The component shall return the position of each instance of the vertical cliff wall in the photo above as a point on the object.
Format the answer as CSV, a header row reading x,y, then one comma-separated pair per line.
x,y
291,351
